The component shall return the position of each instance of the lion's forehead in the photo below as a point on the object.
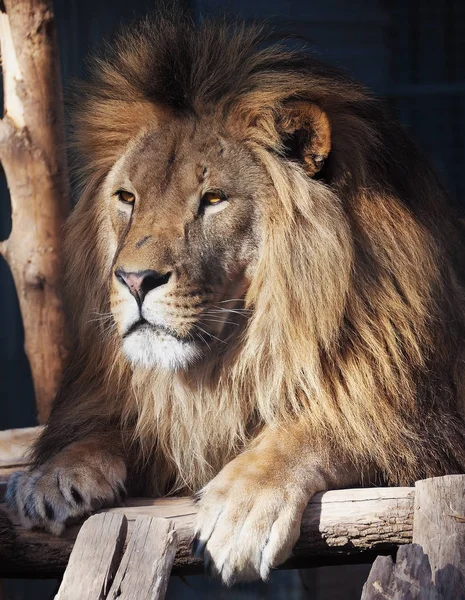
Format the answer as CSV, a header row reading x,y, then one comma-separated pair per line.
x,y
168,170
182,157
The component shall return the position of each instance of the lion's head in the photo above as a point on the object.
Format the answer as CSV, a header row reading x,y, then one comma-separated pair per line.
x,y
184,205
185,209
257,240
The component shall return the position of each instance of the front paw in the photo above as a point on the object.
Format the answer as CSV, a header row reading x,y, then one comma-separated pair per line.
x,y
247,525
48,496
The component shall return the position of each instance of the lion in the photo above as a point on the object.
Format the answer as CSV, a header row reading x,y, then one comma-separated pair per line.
x,y
266,295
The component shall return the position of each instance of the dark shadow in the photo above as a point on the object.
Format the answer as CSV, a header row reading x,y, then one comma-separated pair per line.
x,y
17,400
449,577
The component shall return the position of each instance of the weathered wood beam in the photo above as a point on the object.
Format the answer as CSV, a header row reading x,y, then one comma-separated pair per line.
x,y
145,569
95,558
99,568
340,526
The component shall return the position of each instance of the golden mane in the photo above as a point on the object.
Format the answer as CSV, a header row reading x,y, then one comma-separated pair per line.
x,y
357,308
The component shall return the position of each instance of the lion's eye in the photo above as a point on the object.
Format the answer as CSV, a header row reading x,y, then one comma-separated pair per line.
x,y
126,197
213,198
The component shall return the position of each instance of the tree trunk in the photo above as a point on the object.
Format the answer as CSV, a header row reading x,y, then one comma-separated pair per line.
x,y
33,156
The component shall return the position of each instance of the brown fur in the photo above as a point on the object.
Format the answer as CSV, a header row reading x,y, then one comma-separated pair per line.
x,y
356,323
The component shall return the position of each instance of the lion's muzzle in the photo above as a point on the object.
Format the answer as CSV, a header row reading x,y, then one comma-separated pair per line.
x,y
142,282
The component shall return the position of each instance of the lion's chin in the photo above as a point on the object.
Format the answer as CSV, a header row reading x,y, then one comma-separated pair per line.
x,y
149,349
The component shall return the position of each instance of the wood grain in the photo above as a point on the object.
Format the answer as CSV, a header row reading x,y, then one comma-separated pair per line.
x,y
145,569
15,445
95,558
439,527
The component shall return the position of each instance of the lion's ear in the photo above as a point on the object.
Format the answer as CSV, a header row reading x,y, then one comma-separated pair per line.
x,y
305,132
299,128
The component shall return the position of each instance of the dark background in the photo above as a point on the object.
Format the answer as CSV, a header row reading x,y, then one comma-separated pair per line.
x,y
412,52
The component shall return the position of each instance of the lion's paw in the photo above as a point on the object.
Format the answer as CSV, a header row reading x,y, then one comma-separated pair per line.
x,y
48,496
244,529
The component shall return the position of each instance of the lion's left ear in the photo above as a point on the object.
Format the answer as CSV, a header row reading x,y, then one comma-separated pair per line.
x,y
299,128
305,133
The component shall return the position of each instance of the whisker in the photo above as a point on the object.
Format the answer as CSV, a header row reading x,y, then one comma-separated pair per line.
x,y
238,311
109,329
99,320
210,320
232,300
226,309
209,334
203,339
110,373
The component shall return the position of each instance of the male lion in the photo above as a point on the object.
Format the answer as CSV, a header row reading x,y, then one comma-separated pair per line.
x,y
266,295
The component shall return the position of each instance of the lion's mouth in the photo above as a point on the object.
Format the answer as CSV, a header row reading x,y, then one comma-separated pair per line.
x,y
149,345
144,325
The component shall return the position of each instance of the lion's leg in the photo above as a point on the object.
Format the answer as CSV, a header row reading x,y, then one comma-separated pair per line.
x,y
250,513
74,482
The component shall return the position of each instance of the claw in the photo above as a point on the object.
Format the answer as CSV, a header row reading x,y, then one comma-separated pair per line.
x,y
30,508
49,512
78,499
120,494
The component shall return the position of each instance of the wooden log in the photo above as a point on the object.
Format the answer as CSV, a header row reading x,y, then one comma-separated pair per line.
x,y
95,558
32,153
145,569
439,527
339,526
5,473
15,445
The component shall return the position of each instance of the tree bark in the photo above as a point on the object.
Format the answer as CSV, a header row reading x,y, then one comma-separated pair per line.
x,y
32,153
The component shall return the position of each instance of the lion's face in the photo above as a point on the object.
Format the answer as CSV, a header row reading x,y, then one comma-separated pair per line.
x,y
183,203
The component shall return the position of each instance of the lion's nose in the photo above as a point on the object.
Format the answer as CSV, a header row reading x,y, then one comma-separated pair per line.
x,y
141,282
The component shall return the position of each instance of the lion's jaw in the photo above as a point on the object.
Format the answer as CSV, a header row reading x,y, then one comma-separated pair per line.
x,y
156,335
150,347
203,254
149,339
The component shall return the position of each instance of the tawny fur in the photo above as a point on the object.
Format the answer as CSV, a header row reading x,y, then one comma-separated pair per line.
x,y
357,304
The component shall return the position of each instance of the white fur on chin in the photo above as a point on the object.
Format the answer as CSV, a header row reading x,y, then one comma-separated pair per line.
x,y
150,349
